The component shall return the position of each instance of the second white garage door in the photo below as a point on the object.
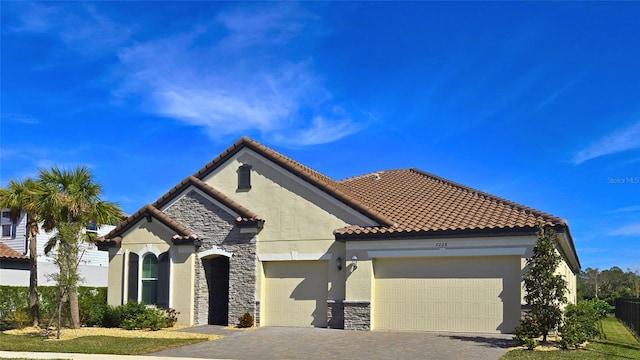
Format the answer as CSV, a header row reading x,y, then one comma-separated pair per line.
x,y
470,294
295,293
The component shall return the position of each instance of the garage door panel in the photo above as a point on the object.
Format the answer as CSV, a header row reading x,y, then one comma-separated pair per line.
x,y
447,294
295,293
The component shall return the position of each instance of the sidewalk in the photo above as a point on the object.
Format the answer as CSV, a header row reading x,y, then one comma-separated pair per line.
x,y
47,355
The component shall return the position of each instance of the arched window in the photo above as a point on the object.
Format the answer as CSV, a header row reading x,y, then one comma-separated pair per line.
x,y
150,279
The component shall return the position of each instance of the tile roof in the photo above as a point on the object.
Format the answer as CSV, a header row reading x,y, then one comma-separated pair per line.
x,y
7,253
246,218
149,211
404,202
319,180
421,202
246,215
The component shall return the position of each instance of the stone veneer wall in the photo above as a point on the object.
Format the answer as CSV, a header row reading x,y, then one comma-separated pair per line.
x,y
216,228
357,315
335,314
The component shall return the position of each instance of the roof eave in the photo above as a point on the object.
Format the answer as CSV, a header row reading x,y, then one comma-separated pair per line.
x,y
445,233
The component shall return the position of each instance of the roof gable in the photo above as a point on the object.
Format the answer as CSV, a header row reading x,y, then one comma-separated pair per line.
x,y
245,218
183,235
313,177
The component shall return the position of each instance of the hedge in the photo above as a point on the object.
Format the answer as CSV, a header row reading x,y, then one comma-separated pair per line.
x,y
14,298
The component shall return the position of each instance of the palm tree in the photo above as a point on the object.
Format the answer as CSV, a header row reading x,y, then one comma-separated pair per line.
x,y
19,197
70,201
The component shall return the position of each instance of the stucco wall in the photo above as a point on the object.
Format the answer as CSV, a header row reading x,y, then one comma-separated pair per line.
x,y
294,210
153,237
300,219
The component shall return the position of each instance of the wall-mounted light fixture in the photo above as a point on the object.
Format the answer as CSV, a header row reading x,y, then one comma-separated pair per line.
x,y
339,263
354,262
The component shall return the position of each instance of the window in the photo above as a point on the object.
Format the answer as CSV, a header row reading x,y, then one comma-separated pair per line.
x,y
93,227
7,224
244,177
150,279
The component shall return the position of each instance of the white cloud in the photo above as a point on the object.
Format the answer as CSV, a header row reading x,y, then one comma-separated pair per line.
x,y
620,140
239,71
80,28
19,118
627,230
320,131
245,81
626,209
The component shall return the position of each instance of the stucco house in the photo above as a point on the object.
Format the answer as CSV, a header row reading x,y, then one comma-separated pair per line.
x,y
255,231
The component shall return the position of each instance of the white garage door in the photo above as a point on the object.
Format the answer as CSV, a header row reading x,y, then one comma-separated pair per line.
x,y
470,294
295,293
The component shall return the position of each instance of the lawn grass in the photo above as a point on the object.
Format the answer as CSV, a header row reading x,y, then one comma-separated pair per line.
x,y
616,342
92,344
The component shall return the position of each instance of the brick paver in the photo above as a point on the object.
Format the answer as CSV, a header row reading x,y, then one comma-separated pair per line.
x,y
314,343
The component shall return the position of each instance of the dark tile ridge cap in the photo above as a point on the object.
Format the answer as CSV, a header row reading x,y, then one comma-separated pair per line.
x,y
148,210
546,216
10,253
307,174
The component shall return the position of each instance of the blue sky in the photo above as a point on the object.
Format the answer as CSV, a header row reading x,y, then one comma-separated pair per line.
x,y
535,102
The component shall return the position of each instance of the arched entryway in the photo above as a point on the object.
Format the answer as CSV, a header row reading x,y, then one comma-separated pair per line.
x,y
216,270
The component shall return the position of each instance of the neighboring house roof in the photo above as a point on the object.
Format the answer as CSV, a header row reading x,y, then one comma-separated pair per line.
x,y
421,202
7,253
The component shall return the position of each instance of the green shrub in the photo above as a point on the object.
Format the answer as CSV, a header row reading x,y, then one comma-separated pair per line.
x,y
581,322
602,308
245,321
136,315
111,317
92,304
16,297
6,324
526,332
20,318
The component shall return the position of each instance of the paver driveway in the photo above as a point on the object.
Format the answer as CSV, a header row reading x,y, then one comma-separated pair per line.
x,y
314,343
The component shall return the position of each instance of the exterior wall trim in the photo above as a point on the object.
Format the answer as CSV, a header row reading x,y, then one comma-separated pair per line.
x,y
214,251
293,256
447,252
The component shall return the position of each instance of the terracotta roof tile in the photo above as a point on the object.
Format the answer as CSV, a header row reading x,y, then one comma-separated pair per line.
x,y
321,181
182,233
246,215
421,202
7,253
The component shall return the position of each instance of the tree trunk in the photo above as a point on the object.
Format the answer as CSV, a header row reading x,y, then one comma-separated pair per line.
x,y
72,289
34,306
74,310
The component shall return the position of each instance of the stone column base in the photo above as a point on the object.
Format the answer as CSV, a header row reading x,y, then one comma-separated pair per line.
x,y
335,314
357,314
